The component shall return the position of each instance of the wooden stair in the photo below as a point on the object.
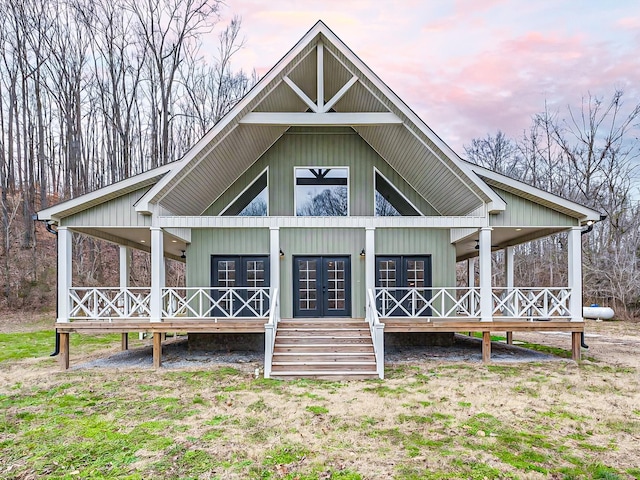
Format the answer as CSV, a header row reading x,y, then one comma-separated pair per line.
x,y
327,349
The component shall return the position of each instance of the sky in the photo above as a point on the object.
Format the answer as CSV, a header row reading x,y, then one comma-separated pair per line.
x,y
468,68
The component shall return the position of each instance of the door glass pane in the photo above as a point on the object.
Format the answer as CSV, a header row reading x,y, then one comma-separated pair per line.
x,y
336,292
307,285
255,275
226,279
415,279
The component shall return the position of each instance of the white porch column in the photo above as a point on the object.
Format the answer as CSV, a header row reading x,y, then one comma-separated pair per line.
x,y
370,258
471,272
274,259
575,273
157,273
125,266
64,273
486,300
509,255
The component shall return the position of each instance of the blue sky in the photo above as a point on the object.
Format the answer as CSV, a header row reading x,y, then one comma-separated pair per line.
x,y
466,67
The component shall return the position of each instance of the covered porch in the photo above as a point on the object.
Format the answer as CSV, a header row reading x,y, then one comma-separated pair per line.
x,y
477,307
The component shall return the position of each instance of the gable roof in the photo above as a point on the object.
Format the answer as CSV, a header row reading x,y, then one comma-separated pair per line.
x,y
320,73
541,197
97,197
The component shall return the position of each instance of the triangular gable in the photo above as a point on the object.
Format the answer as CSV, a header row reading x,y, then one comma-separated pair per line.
x,y
105,194
287,96
536,195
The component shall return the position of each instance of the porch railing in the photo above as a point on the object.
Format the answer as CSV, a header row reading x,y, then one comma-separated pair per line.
x,y
88,303
531,303
270,329
197,302
377,332
449,302
109,303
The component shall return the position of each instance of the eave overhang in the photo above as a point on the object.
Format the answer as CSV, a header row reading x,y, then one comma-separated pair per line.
x,y
356,98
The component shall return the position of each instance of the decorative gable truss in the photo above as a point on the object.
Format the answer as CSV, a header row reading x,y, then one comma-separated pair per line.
x,y
322,112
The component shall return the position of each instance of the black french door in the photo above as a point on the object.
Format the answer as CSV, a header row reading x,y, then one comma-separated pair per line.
x,y
398,274
228,272
322,286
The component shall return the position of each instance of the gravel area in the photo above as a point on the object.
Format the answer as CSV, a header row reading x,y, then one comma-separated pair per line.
x,y
175,355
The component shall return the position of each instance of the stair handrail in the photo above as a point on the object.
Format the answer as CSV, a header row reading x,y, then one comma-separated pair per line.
x,y
270,329
377,332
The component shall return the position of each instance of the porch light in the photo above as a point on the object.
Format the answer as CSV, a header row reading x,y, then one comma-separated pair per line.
x,y
281,254
184,254
362,253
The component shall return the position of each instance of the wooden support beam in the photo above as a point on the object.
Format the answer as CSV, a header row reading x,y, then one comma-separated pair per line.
x,y
486,347
124,342
157,349
509,338
575,346
63,355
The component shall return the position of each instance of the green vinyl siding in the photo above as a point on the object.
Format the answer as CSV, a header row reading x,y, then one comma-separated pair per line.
x,y
223,241
521,212
119,212
320,147
322,241
422,241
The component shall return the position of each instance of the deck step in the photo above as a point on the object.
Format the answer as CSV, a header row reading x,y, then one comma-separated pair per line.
x,y
323,348
335,349
326,375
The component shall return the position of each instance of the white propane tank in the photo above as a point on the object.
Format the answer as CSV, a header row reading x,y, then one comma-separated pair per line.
x,y
597,312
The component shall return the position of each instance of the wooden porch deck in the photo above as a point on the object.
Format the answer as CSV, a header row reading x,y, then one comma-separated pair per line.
x,y
257,325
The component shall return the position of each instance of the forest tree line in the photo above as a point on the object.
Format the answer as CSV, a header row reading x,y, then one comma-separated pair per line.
x,y
94,91
587,153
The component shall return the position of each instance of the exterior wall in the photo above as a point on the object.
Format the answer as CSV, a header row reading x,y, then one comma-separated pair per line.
x,y
119,212
228,241
320,147
316,242
422,241
521,212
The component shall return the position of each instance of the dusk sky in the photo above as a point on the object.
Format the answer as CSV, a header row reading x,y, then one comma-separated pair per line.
x,y
466,67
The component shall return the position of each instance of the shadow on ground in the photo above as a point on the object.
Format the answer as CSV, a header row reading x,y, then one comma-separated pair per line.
x,y
175,355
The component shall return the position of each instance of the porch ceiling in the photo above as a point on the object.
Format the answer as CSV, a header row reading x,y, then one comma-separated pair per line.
x,y
502,237
138,238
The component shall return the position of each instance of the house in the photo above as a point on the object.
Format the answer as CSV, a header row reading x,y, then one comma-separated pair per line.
x,y
322,217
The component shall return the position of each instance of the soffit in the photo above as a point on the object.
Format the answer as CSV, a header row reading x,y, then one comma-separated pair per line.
x,y
216,162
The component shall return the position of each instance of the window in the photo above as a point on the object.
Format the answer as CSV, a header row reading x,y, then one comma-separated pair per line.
x,y
389,202
322,192
253,201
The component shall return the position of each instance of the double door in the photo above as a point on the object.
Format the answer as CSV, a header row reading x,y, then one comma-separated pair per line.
x,y
407,281
322,286
239,280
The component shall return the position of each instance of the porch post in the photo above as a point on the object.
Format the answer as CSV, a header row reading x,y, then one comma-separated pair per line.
x,y
125,267
64,273
471,272
486,300
509,255
575,273
157,273
370,258
274,259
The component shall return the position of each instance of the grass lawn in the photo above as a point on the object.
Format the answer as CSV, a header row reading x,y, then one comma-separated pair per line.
x,y
555,420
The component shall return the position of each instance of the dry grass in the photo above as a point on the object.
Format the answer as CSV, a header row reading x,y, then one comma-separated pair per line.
x,y
434,420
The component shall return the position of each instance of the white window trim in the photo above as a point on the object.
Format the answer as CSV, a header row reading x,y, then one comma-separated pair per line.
x,y
249,185
295,202
375,170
